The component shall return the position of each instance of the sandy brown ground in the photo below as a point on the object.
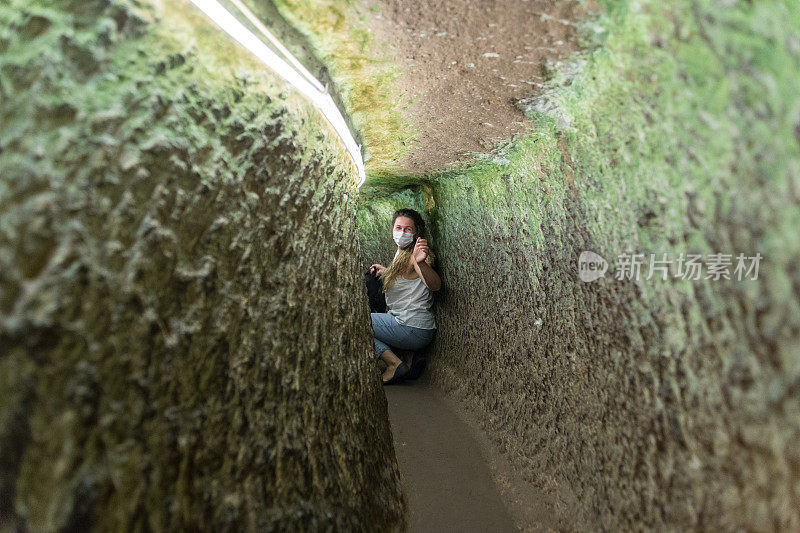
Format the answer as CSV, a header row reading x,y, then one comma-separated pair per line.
x,y
466,62
452,476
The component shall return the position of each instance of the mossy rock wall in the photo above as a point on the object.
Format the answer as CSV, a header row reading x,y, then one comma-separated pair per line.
x,y
184,334
640,404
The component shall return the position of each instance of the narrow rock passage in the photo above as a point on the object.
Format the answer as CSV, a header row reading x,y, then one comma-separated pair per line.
x,y
443,464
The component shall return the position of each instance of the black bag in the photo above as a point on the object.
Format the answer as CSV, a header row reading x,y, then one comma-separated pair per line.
x,y
377,300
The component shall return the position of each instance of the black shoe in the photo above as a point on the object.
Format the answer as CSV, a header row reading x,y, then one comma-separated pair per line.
x,y
418,364
399,374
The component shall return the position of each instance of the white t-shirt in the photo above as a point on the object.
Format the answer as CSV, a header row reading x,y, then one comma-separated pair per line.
x,y
410,301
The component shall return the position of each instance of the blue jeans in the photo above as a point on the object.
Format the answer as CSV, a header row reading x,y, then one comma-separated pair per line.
x,y
389,333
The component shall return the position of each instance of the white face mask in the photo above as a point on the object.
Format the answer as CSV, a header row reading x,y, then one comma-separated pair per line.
x,y
402,238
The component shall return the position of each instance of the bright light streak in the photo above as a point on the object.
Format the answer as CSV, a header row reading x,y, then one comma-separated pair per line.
x,y
323,101
255,21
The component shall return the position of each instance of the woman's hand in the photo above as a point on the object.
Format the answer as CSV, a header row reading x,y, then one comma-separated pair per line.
x,y
377,269
420,250
429,276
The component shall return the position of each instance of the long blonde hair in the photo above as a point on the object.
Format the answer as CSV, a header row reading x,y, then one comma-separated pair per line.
x,y
401,264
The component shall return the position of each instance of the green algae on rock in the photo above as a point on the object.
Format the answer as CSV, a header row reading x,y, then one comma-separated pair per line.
x,y
651,404
184,338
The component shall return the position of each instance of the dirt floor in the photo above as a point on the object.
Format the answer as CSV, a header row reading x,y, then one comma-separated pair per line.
x,y
454,480
465,63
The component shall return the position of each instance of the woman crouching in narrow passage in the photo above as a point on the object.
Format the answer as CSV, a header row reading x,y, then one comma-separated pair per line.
x,y
407,283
